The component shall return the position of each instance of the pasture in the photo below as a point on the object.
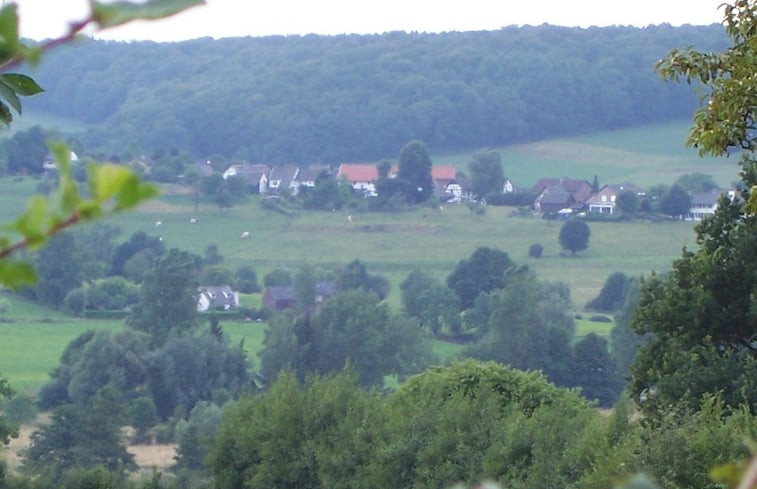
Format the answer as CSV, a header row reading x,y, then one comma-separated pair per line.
x,y
395,244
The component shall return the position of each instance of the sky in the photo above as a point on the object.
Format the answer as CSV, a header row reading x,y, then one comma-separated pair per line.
x,y
42,19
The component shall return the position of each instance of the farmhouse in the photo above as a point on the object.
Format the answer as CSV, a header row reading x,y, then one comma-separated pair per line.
x,y
362,176
308,176
217,297
280,297
555,194
703,205
256,175
283,178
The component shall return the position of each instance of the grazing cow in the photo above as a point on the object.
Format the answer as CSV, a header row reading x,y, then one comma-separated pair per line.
x,y
246,234
349,218
194,221
158,223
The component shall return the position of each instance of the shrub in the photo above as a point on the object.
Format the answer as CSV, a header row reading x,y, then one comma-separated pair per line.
x,y
535,250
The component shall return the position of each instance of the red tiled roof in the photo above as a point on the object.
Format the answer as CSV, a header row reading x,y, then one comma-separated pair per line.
x,y
443,172
366,172
357,172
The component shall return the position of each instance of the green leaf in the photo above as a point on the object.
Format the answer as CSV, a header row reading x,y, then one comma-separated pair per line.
x,y
9,45
10,96
117,13
134,192
107,180
62,156
31,224
5,114
16,274
21,84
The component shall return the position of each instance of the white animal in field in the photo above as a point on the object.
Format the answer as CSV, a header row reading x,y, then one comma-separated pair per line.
x,y
349,218
158,223
160,238
194,221
246,234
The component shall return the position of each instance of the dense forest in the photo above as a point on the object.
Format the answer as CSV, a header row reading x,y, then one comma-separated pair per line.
x,y
330,99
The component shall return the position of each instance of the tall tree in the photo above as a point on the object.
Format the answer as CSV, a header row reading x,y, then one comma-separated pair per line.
x,y
352,328
486,173
702,315
520,332
676,202
415,172
482,272
168,299
594,371
62,267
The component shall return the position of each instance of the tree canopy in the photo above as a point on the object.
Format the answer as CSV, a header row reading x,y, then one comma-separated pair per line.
x,y
367,95
482,272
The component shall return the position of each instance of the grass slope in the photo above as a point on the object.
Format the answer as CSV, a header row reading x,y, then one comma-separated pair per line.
x,y
645,156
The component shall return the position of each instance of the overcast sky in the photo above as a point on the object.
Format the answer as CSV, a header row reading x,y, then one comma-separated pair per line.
x,y
230,18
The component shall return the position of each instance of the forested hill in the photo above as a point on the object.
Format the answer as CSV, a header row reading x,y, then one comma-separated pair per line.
x,y
307,99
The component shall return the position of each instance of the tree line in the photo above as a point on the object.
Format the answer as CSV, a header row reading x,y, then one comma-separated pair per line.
x,y
330,99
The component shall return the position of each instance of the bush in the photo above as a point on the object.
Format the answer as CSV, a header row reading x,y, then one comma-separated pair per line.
x,y
19,409
535,250
75,301
612,295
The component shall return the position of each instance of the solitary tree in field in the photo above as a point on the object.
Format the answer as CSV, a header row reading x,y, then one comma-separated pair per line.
x,y
574,236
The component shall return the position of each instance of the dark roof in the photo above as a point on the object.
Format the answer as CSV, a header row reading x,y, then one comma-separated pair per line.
x,y
705,198
284,173
281,292
310,173
555,195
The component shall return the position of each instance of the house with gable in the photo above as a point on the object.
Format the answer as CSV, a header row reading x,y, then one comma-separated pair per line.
x,y
280,297
256,175
556,194
216,297
554,199
704,204
604,201
308,176
283,178
361,176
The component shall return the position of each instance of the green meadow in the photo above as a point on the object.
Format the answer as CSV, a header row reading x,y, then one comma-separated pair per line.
x,y
429,239
645,156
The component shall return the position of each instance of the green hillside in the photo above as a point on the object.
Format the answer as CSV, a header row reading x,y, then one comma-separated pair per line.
x,y
646,156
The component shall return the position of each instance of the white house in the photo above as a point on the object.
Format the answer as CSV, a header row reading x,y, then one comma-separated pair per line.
x,y
217,297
